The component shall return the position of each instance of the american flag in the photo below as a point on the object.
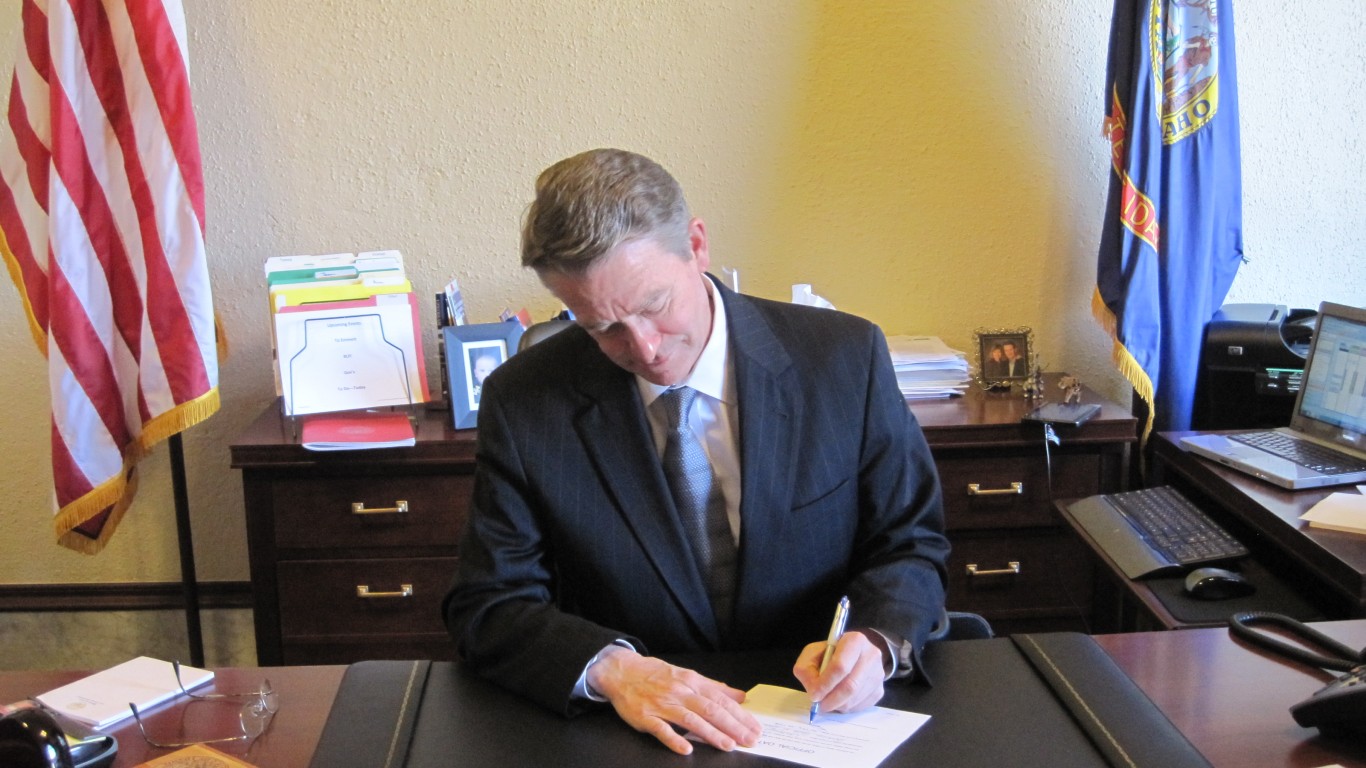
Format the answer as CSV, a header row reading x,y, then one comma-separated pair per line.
x,y
102,218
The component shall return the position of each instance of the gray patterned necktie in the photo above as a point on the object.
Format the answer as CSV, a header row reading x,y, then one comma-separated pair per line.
x,y
701,506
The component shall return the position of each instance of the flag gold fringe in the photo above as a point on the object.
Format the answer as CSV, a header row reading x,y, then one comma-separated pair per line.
x,y
176,420
39,335
116,494
1125,362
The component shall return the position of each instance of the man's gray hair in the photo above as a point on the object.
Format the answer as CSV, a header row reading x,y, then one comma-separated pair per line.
x,y
590,203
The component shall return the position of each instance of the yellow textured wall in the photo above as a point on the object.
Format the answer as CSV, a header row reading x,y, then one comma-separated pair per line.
x,y
935,166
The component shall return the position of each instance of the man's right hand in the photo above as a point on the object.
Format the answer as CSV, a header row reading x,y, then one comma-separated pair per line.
x,y
653,696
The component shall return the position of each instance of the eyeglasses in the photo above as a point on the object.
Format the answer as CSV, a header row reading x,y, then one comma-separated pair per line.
x,y
254,718
268,698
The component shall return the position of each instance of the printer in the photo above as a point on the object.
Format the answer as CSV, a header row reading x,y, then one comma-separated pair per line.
x,y
1251,363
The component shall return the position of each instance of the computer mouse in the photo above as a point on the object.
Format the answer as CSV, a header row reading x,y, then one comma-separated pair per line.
x,y
1217,584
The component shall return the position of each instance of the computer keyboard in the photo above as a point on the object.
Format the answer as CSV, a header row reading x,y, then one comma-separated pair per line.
x,y
1303,452
1154,531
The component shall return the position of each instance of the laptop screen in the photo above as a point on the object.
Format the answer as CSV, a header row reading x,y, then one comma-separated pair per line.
x,y
1333,401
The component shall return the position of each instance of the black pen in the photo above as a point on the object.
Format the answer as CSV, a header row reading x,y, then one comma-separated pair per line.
x,y
836,632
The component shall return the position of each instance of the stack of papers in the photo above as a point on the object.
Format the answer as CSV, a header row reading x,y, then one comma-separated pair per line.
x,y
345,332
102,698
926,367
1340,512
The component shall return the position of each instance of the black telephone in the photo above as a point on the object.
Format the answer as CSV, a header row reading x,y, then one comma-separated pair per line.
x,y
1337,709
32,736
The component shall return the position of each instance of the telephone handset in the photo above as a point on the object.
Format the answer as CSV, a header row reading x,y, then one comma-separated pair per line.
x,y
1338,708
32,736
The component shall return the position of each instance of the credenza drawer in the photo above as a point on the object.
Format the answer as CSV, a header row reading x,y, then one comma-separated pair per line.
x,y
1011,491
395,510
322,597
1019,574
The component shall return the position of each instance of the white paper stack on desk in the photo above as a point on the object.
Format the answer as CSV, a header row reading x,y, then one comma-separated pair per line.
x,y
102,699
346,332
926,367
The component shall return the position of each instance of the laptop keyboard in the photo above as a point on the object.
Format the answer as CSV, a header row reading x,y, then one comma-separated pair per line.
x,y
1302,452
1154,531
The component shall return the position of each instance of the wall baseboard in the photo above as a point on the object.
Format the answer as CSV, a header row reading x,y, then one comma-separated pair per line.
x,y
132,596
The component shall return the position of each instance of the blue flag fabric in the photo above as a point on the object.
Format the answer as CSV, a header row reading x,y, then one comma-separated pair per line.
x,y
1173,239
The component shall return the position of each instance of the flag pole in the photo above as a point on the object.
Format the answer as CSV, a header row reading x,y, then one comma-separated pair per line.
x,y
190,586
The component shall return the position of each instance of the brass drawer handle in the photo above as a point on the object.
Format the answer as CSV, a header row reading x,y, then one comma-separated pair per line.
x,y
358,508
1015,489
363,590
1013,570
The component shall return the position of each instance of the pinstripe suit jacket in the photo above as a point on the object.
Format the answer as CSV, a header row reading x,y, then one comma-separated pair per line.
x,y
573,540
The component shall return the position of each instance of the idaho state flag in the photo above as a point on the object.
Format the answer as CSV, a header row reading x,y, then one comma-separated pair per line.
x,y
1173,237
102,228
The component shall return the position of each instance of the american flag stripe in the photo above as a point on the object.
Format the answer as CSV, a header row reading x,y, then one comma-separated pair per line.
x,y
102,216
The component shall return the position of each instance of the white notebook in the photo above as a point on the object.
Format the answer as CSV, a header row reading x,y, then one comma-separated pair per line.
x,y
102,698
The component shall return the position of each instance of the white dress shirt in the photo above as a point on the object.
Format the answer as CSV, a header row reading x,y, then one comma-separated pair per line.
x,y
714,416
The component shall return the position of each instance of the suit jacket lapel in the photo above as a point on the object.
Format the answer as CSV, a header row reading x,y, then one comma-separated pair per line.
x,y
769,421
631,474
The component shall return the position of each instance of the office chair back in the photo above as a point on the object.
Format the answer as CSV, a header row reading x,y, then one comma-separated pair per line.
x,y
541,331
961,625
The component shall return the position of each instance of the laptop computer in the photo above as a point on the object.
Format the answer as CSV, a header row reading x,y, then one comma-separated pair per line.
x,y
1329,415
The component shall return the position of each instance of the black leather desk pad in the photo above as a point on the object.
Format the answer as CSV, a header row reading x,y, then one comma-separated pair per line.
x,y
987,708
1008,701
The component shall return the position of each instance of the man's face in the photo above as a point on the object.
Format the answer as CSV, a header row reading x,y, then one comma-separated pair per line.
x,y
1010,350
648,308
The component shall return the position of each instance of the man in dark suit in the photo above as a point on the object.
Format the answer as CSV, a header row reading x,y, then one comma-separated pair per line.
x,y
581,560
1015,362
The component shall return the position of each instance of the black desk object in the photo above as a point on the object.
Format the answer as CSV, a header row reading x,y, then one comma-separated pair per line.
x,y
989,707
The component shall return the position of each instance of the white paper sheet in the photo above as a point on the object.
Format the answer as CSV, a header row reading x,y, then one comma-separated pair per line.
x,y
859,740
102,698
342,356
1339,512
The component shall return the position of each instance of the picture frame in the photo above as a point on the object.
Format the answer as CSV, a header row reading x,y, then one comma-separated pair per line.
x,y
1004,356
472,352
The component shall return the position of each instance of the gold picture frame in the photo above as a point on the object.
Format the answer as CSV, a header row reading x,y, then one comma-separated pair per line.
x,y
1003,356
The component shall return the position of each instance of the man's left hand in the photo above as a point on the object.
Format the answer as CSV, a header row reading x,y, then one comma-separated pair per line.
x,y
852,680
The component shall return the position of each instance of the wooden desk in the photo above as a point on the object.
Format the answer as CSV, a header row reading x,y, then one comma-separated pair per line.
x,y
1233,700
1230,700
309,552
1329,565
306,695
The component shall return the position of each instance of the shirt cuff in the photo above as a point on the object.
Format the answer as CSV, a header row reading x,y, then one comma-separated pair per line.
x,y
897,661
582,690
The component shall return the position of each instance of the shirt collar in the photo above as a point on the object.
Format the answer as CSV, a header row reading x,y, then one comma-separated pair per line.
x,y
709,373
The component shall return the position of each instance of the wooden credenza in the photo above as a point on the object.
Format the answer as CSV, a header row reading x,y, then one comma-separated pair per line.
x,y
323,525
1014,560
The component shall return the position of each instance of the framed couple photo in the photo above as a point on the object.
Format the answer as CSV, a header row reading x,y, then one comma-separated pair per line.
x,y
472,353
1004,355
